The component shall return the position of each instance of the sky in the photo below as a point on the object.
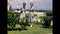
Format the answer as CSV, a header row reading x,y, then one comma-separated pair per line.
x,y
38,4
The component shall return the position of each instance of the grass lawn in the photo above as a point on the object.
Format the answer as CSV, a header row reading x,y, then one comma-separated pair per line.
x,y
36,29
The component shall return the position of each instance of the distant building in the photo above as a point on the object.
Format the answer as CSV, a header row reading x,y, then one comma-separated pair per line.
x,y
38,13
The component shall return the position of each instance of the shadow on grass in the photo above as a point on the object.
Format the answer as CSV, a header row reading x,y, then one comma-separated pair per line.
x,y
15,29
42,26
45,27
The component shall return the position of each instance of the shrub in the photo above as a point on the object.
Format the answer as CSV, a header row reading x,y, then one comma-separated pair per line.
x,y
49,13
47,20
12,18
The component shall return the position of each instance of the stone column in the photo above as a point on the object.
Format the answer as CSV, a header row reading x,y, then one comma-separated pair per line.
x,y
51,23
8,7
